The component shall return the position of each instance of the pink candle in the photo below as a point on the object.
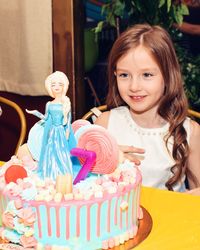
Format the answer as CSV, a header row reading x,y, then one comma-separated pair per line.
x,y
89,157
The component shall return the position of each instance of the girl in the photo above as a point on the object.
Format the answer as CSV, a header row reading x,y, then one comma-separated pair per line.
x,y
51,139
148,109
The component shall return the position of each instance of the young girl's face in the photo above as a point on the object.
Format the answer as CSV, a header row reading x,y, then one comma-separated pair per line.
x,y
139,80
57,88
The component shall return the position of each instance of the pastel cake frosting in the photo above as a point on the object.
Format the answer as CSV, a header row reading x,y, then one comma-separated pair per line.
x,y
100,211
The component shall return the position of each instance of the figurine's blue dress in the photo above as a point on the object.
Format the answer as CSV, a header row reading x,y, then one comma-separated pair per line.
x,y
48,143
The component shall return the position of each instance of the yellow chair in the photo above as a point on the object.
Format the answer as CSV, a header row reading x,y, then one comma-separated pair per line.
x,y
94,112
22,118
194,113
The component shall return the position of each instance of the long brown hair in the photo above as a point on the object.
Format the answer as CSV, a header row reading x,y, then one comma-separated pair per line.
x,y
173,105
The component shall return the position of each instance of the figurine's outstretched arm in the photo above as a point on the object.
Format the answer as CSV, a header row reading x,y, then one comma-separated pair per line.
x,y
36,113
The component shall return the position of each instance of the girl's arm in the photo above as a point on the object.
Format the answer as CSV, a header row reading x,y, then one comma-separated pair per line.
x,y
194,157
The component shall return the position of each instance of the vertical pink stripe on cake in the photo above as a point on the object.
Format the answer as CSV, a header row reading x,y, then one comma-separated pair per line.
x,y
116,209
39,221
88,222
48,221
57,221
121,218
78,222
128,198
98,218
133,208
138,198
108,219
67,222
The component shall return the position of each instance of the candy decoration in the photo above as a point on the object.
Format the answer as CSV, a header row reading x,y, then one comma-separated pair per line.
x,y
89,158
79,123
15,172
98,139
82,130
64,184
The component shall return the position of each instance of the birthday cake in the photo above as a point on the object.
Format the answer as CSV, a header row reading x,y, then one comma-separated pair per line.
x,y
94,206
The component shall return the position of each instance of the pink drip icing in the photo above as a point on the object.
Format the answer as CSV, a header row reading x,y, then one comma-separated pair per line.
x,y
57,222
39,222
78,222
98,218
108,219
138,198
127,210
67,222
120,219
116,206
88,222
1,203
133,209
48,221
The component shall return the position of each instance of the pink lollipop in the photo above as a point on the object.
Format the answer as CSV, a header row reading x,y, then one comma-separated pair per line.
x,y
99,140
78,124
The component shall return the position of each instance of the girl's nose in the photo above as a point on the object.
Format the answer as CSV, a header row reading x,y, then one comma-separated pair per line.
x,y
134,84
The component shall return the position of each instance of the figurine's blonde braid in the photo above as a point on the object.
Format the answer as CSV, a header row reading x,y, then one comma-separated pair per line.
x,y
66,108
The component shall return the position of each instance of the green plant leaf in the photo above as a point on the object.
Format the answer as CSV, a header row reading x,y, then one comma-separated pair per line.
x,y
99,27
184,9
178,17
169,3
119,8
161,3
112,21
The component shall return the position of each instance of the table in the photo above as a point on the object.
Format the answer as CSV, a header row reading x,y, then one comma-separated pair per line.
x,y
176,220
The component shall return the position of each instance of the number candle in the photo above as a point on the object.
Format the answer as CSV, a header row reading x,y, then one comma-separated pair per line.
x,y
89,157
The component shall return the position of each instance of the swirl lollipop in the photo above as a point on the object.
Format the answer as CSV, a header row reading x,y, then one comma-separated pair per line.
x,y
99,140
78,124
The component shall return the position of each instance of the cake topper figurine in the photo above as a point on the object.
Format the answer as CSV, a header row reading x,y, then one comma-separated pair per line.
x,y
51,139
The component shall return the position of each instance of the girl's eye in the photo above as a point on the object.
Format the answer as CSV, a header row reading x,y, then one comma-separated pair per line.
x,y
53,85
123,75
147,75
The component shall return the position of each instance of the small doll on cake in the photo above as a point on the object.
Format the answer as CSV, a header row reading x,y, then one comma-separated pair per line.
x,y
51,139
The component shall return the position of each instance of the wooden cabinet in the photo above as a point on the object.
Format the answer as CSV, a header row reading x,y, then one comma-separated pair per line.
x,y
68,50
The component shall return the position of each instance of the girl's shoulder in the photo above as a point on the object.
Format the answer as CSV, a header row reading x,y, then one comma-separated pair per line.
x,y
195,129
103,119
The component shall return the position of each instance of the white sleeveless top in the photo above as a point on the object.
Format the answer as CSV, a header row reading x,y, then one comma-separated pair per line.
x,y
156,162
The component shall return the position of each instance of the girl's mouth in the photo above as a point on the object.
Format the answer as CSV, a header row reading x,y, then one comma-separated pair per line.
x,y
137,98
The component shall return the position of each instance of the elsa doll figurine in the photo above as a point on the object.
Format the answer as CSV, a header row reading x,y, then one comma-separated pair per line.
x,y
51,139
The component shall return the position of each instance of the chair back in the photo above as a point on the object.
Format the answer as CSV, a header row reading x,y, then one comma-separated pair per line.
x,y
194,113
20,113
94,112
